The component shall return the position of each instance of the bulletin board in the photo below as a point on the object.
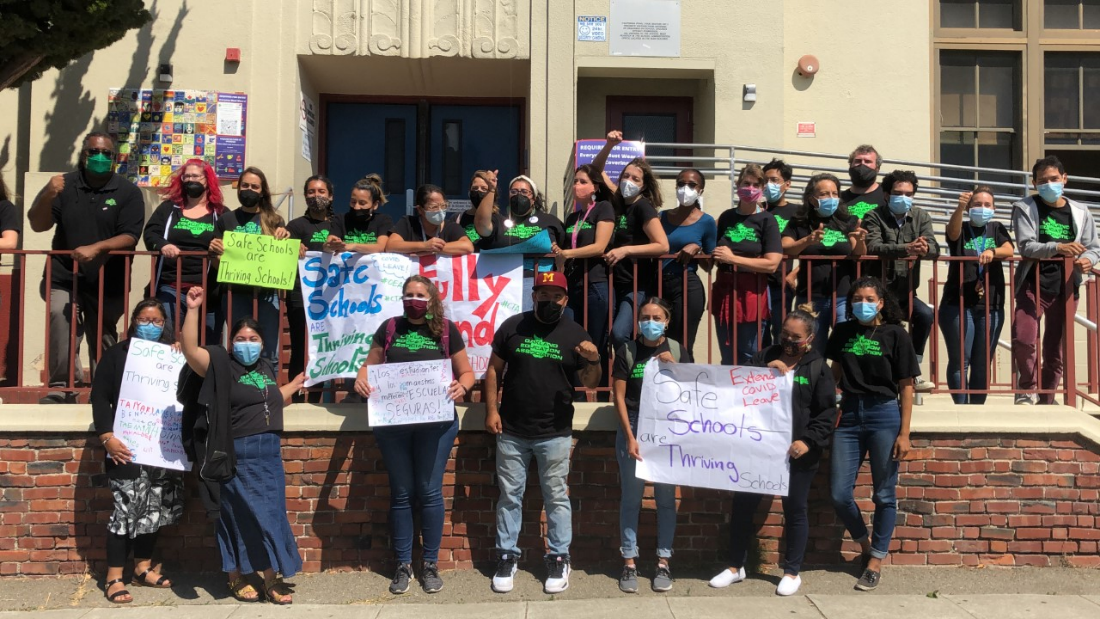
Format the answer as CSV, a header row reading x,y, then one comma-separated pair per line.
x,y
156,131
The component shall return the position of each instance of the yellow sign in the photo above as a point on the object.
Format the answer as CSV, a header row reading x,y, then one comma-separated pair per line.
x,y
259,260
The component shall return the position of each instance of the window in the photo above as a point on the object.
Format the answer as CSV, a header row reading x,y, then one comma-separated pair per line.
x,y
979,106
653,119
452,158
1071,116
394,147
1004,14
1071,14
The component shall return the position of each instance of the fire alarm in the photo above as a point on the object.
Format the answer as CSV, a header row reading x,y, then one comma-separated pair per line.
x,y
232,54
808,65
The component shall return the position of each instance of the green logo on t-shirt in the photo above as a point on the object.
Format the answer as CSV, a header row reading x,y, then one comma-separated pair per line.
x,y
196,228
862,347
782,223
250,228
832,237
584,226
801,380
980,244
539,349
472,234
110,202
1055,230
622,222
255,379
365,238
639,370
521,231
319,236
413,342
740,233
861,208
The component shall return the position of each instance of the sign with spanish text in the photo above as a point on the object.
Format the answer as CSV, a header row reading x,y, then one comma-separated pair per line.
x,y
258,260
148,419
619,158
714,426
405,393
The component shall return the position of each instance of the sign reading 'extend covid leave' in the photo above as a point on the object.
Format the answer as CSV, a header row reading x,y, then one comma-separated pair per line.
x,y
258,260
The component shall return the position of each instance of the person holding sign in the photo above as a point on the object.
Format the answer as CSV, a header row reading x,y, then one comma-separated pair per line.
x,y
630,360
146,498
253,532
875,364
428,231
813,416
542,353
365,229
416,453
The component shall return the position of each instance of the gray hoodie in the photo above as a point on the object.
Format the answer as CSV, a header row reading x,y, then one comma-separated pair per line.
x,y
1025,224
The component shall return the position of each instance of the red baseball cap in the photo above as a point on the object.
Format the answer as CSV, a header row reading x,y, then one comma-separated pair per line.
x,y
551,278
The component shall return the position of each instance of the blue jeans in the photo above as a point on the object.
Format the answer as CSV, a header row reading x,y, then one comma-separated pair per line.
x,y
974,358
214,318
824,307
869,426
630,505
513,459
748,341
416,458
622,330
267,315
599,299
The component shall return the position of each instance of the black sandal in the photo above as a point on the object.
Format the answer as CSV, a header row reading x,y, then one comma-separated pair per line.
x,y
278,591
140,580
111,597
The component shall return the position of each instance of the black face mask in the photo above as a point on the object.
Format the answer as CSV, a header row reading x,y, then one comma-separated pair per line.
x,y
248,198
792,348
360,216
194,189
862,176
476,196
548,311
519,205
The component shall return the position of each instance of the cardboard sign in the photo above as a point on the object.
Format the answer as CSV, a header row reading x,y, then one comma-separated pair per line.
x,y
404,393
258,260
148,417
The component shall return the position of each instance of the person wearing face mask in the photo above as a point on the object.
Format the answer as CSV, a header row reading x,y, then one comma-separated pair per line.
x,y
874,363
146,498
427,231
1048,225
630,361
366,231
690,232
813,417
864,195
781,283
479,223
898,233
239,389
534,418
416,454
748,250
185,222
821,227
525,217
96,211
639,237
972,287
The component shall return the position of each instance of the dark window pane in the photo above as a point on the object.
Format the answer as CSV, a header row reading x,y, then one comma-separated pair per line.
x,y
957,89
957,148
1061,14
957,14
651,128
1061,91
998,14
995,150
997,91
394,146
1092,14
452,157
1061,138
1091,66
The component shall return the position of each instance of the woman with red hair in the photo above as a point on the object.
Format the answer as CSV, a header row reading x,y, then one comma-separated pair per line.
x,y
184,222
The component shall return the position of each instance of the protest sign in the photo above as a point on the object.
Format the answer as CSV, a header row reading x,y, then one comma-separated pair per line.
x,y
404,393
713,426
258,260
147,416
347,297
479,293
620,156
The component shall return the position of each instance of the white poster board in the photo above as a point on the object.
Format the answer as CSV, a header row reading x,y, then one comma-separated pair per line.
x,y
404,393
714,426
645,28
148,419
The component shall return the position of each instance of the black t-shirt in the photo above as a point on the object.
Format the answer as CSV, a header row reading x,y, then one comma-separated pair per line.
x,y
10,219
973,241
596,267
409,228
465,220
515,231
540,362
1056,225
313,233
633,375
366,230
630,230
83,216
188,235
874,358
415,342
783,216
249,390
835,243
859,204
750,236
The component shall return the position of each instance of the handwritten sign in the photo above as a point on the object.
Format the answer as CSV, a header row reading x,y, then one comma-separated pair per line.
x,y
713,426
347,297
404,393
258,260
147,416
617,160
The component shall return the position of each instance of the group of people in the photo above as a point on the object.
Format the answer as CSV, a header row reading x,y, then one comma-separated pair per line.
x,y
608,296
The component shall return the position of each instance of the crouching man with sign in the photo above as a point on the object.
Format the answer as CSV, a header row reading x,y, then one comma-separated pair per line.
x,y
411,408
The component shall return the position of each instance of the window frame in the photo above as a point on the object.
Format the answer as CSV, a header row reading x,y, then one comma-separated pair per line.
x,y
1007,34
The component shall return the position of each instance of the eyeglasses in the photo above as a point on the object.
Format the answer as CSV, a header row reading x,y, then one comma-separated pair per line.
x,y
691,184
193,177
145,322
435,208
521,192
92,152
252,186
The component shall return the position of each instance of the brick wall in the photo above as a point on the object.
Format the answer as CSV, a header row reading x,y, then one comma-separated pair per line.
x,y
1007,501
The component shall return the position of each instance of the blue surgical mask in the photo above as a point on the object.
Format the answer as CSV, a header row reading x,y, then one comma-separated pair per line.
x,y
865,312
772,192
1050,192
149,332
827,206
247,352
900,205
435,218
980,216
651,329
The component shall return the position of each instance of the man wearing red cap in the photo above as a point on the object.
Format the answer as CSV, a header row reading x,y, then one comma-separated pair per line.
x,y
535,355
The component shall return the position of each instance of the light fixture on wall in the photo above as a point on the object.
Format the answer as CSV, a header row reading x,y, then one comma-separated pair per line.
x,y
164,73
808,65
749,95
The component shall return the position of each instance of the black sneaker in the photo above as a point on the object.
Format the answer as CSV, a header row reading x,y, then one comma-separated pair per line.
x,y
628,581
429,578
869,581
401,578
558,578
504,578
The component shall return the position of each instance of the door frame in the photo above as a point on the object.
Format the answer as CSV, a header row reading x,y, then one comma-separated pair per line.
x,y
617,105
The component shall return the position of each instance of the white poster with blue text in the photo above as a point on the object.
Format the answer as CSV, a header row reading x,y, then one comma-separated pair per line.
x,y
347,297
148,418
713,426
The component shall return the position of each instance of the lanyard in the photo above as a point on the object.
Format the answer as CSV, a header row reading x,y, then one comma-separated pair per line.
x,y
580,222
979,251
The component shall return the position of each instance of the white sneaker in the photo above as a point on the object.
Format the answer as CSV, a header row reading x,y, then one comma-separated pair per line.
x,y
726,578
788,585
504,578
922,386
1027,399
558,579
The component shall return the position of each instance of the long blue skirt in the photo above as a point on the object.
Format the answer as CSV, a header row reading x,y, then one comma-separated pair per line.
x,y
253,532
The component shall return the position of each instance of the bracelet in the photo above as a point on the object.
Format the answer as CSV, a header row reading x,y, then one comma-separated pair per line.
x,y
107,440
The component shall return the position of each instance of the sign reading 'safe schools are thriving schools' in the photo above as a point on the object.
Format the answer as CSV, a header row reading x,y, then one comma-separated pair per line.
x,y
148,419
258,260
713,426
